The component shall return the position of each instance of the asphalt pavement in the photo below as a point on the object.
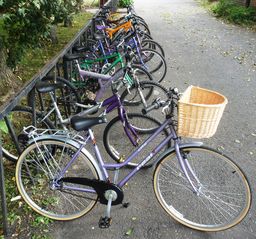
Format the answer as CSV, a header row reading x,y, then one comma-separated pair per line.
x,y
200,50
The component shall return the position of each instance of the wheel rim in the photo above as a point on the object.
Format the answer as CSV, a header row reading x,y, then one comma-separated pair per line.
x,y
35,172
221,203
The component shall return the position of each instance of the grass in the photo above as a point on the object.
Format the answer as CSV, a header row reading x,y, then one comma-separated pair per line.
x,y
38,57
24,222
232,12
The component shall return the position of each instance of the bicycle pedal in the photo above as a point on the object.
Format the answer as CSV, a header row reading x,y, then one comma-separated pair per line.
x,y
105,222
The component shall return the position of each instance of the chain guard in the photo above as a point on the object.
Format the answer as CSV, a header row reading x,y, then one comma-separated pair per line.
x,y
99,186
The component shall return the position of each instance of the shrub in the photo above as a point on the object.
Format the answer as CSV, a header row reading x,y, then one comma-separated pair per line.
x,y
234,12
27,23
125,3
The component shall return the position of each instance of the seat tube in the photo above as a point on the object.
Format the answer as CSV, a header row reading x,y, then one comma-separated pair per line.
x,y
98,155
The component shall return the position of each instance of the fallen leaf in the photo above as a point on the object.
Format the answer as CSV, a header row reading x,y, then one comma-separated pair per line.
x,y
129,232
16,198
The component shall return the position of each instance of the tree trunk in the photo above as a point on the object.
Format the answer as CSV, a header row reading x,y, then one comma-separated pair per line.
x,y
247,3
8,80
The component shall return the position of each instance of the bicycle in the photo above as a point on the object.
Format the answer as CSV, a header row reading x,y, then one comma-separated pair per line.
x,y
61,180
60,119
149,58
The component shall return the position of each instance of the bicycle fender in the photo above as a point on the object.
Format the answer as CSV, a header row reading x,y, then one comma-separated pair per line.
x,y
172,149
73,143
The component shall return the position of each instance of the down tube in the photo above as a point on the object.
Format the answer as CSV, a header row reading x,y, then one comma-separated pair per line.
x,y
145,160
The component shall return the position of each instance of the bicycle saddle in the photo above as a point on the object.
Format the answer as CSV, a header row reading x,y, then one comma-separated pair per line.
x,y
80,123
45,87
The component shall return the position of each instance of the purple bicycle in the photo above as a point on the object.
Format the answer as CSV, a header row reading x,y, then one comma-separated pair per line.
x,y
196,185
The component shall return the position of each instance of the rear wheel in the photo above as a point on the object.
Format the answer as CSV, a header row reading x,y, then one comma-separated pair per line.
x,y
37,169
223,198
153,62
66,97
151,44
119,146
19,118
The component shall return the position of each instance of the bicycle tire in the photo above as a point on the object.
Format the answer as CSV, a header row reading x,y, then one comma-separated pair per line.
x,y
151,44
153,62
115,138
21,116
132,98
138,73
35,171
66,96
143,27
213,208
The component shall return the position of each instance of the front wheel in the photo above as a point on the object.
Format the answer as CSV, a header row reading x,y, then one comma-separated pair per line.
x,y
223,198
144,94
152,61
37,169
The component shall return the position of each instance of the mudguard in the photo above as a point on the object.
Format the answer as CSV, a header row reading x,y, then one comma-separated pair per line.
x,y
172,149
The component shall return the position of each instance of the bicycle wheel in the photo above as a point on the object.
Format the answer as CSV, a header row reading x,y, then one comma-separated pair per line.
x,y
153,62
141,74
141,26
119,146
66,97
19,118
142,95
36,170
151,44
224,194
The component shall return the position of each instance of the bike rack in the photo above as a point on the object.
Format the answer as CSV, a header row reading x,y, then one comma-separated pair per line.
x,y
85,33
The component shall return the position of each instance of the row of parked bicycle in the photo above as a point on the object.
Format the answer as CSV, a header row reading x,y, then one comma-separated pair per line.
x,y
121,68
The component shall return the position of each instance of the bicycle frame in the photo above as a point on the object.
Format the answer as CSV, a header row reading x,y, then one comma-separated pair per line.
x,y
186,168
134,42
110,104
104,81
117,56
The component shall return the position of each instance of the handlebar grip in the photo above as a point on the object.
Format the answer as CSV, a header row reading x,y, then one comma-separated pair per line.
x,y
149,108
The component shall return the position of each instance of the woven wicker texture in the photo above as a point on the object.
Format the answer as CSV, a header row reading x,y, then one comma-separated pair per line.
x,y
199,112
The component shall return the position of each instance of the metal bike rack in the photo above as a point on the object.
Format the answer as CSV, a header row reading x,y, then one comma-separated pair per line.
x,y
3,195
5,109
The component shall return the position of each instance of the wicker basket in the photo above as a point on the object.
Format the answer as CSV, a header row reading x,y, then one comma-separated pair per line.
x,y
199,112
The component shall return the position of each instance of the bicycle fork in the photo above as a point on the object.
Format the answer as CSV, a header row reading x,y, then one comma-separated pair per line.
x,y
187,169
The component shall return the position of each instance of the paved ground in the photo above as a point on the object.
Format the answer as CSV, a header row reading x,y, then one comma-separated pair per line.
x,y
200,50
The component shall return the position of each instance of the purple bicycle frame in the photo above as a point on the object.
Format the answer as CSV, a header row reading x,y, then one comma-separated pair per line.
x,y
104,166
186,168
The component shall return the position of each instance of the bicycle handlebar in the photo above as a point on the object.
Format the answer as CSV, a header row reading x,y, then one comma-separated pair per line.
x,y
156,105
173,96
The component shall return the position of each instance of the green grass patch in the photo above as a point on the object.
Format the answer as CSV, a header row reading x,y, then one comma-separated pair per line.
x,y
232,12
22,220
38,57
